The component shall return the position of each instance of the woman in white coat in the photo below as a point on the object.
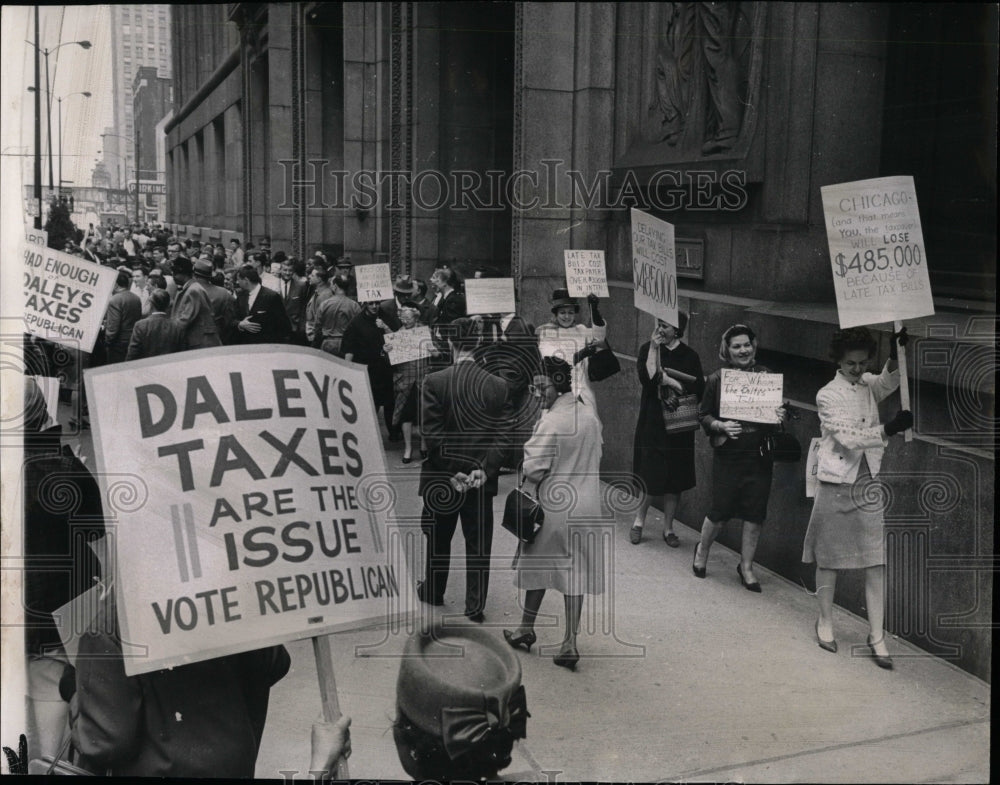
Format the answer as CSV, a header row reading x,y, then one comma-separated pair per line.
x,y
845,533
565,339
563,458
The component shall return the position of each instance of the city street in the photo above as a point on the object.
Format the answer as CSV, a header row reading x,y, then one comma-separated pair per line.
x,y
682,679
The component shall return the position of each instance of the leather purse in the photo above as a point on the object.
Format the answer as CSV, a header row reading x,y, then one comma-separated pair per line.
x,y
781,447
680,412
522,515
603,363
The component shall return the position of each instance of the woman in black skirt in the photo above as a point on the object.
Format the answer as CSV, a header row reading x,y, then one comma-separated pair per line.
x,y
663,463
741,469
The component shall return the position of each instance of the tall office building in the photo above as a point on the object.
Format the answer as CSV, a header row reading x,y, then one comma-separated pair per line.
x,y
140,37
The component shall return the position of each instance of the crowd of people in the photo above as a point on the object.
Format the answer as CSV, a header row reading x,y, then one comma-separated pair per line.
x,y
494,392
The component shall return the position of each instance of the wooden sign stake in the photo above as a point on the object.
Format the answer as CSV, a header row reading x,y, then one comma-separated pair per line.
x,y
904,381
328,691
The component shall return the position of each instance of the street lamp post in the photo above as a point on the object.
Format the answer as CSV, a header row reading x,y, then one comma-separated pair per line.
x,y
136,141
48,102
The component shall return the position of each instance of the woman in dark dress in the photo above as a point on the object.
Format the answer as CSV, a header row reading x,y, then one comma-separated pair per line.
x,y
741,469
663,463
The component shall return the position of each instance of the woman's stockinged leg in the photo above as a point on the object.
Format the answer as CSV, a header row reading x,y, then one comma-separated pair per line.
x,y
670,503
875,599
640,513
709,531
826,586
532,602
574,609
751,535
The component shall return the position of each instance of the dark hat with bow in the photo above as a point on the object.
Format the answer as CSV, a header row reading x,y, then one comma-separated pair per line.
x,y
561,299
461,685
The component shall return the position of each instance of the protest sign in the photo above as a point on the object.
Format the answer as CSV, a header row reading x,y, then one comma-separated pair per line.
x,y
489,295
36,236
877,251
405,345
751,397
812,468
654,266
586,273
374,283
64,296
263,516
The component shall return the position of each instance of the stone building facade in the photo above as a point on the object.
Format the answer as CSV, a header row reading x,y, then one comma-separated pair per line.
x,y
496,135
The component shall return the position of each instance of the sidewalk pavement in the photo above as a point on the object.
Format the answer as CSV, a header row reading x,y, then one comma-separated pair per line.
x,y
680,679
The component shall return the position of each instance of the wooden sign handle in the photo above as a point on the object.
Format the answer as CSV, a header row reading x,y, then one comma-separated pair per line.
x,y
904,381
328,691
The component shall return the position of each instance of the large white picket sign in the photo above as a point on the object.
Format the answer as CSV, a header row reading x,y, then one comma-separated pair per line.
x,y
374,282
751,397
654,266
586,273
877,251
65,297
489,295
262,508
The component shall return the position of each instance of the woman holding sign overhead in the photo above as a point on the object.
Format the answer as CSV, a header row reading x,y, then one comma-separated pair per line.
x,y
844,532
741,465
573,343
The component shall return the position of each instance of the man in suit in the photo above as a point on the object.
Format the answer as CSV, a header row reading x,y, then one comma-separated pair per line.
x,y
156,334
293,291
464,409
448,305
124,310
223,303
261,314
403,289
192,310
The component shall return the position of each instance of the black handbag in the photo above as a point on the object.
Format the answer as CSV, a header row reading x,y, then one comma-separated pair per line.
x,y
522,515
781,447
602,363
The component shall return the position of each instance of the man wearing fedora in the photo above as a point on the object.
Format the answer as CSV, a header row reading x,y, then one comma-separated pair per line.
x,y
192,309
222,302
345,269
464,411
403,288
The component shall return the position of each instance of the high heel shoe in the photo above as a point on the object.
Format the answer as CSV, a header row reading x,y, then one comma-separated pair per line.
x,y
830,646
699,572
883,661
755,586
525,639
567,659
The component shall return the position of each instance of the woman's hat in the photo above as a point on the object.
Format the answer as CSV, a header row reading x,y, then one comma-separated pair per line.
x,y
460,684
404,285
561,299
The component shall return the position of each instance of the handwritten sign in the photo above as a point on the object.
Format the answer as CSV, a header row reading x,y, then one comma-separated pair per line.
x,y
751,397
489,295
36,236
374,283
406,345
65,297
586,273
654,266
262,518
877,251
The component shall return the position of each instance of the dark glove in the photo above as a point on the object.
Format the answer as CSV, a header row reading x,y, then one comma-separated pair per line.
x,y
898,339
595,312
901,422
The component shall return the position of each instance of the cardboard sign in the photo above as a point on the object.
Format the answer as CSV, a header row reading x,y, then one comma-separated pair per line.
x,y
877,251
812,468
405,345
36,236
263,512
751,397
65,297
489,295
374,283
654,266
586,273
